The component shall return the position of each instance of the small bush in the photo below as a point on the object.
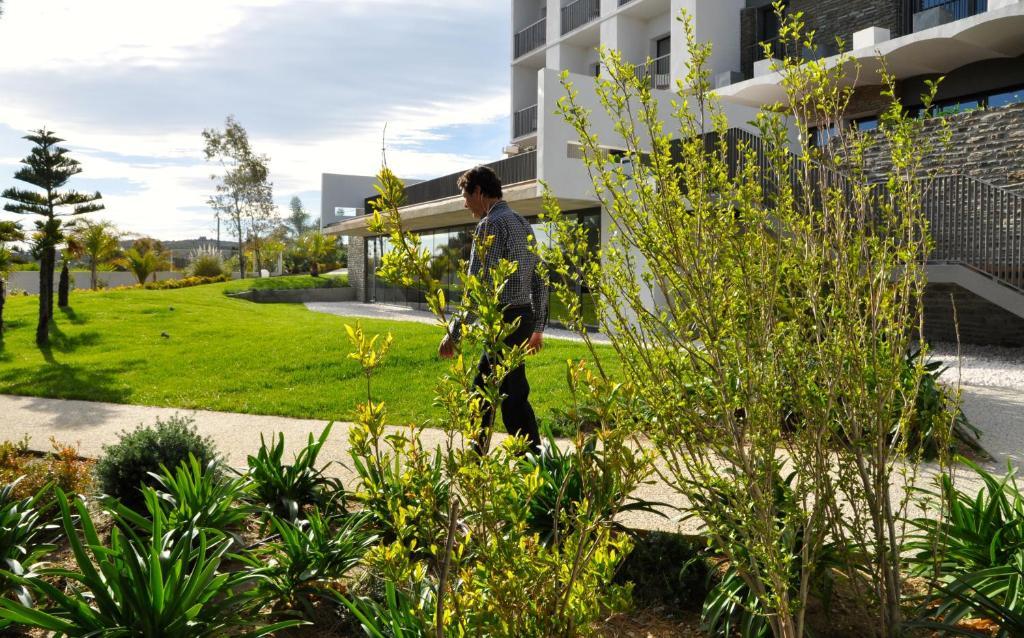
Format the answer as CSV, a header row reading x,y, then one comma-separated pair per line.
x,y
187,282
24,534
287,489
667,570
127,464
206,262
62,467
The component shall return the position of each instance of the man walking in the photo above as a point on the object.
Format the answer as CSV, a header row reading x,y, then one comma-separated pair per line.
x,y
525,296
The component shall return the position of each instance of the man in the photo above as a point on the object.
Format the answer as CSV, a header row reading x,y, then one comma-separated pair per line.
x,y
525,296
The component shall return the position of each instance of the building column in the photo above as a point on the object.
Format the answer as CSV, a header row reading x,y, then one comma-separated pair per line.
x,y
357,266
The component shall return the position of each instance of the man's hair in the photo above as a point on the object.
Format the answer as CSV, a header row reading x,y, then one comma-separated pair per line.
x,y
483,177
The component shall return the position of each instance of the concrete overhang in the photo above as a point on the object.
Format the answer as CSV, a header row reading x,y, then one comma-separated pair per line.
x,y
525,197
998,33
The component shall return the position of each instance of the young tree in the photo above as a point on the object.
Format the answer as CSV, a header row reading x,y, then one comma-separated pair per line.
x,y
48,167
316,247
243,189
299,218
9,231
145,258
64,285
97,242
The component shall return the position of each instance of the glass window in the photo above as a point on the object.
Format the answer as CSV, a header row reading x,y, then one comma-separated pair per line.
x,y
867,124
1006,98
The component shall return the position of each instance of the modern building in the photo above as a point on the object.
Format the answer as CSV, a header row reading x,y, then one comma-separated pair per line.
x,y
977,210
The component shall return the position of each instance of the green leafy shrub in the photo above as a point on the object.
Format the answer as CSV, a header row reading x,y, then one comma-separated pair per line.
x,y
934,411
667,570
287,488
204,496
139,454
24,536
309,558
975,552
206,262
187,282
159,585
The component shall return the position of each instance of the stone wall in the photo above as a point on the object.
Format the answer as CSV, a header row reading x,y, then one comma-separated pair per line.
x,y
828,19
985,144
980,322
357,266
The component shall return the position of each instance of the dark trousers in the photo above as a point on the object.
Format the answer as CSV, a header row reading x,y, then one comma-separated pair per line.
x,y
516,411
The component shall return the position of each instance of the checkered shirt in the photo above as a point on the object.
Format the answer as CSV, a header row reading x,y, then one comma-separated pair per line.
x,y
512,238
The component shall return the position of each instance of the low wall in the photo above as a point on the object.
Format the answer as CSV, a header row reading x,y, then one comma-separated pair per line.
x,y
302,295
28,280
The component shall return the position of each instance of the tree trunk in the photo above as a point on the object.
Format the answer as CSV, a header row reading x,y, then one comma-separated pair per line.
x,y
92,274
64,287
241,253
314,269
3,295
45,296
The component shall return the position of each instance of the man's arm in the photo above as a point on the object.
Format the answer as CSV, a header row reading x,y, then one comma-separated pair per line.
x,y
539,298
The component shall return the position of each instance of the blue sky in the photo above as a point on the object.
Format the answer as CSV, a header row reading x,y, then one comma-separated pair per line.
x,y
131,84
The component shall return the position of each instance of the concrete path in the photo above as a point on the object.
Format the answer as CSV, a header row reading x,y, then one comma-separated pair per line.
x,y
403,313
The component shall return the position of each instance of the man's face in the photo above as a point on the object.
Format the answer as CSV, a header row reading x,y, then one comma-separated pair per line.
x,y
475,202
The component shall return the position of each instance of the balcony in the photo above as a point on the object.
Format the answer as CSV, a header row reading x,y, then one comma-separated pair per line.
x,y
524,122
657,72
923,14
578,13
530,38
512,170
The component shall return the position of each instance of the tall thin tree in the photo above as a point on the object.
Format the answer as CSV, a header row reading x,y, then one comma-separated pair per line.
x,y
48,167
299,218
243,187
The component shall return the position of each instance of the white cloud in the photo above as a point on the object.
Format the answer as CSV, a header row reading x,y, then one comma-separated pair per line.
x,y
131,84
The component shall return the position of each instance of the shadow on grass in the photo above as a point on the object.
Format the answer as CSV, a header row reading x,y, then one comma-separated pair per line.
x,y
64,343
69,381
72,316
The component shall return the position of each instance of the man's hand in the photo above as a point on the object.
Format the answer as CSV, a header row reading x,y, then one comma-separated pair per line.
x,y
447,348
535,343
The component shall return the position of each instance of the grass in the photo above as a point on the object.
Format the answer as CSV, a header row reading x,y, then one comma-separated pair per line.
x,y
288,282
232,355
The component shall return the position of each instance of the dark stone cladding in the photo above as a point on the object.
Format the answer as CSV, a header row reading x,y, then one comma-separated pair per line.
x,y
980,322
827,18
357,266
985,144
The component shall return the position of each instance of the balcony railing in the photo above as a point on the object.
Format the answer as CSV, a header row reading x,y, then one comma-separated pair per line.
x,y
957,9
531,37
657,72
579,13
524,122
512,170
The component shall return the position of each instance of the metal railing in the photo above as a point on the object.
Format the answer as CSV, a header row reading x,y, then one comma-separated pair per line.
x,y
530,38
511,170
978,224
656,71
579,13
958,9
524,121
971,222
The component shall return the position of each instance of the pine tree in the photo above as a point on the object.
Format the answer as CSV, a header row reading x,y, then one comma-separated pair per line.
x,y
299,218
64,286
48,167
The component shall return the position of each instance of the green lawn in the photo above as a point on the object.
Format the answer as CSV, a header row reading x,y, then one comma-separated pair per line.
x,y
287,282
232,355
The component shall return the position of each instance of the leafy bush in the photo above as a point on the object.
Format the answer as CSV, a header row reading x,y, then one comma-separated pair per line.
x,y
975,552
24,536
203,496
310,557
927,431
187,282
62,467
667,570
159,585
131,462
206,261
286,489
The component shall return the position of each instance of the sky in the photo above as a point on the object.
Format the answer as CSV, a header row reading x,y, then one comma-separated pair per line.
x,y
131,84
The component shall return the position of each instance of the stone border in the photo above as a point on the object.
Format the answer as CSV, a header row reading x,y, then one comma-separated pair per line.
x,y
298,295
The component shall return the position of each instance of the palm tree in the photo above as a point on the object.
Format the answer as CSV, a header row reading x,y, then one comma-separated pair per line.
x,y
143,262
316,247
96,241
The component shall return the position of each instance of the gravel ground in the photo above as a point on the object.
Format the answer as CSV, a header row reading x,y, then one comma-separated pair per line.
x,y
982,366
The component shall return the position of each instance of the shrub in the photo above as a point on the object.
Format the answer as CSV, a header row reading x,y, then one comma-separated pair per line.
x,y
62,467
203,495
130,463
286,489
206,261
157,585
310,556
667,570
23,535
187,282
